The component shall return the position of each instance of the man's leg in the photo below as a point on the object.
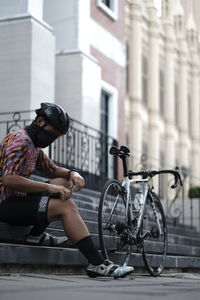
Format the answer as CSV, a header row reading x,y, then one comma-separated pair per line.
x,y
78,233
37,230
66,211
74,227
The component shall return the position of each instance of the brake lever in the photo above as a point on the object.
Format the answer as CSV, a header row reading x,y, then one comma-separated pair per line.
x,y
180,180
173,186
177,178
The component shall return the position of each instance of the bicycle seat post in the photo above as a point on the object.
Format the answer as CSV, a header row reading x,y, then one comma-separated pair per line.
x,y
122,153
125,167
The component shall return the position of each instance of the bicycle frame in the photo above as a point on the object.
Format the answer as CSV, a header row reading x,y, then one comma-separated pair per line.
x,y
129,201
123,153
142,217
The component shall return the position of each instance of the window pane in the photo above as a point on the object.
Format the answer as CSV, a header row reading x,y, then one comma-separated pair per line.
x,y
104,111
107,3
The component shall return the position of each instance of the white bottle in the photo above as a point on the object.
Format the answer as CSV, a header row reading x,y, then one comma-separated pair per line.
x,y
138,201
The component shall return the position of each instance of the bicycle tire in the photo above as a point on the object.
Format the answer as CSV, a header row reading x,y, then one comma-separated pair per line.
x,y
154,248
113,223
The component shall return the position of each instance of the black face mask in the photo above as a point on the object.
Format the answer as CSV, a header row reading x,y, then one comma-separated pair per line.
x,y
40,136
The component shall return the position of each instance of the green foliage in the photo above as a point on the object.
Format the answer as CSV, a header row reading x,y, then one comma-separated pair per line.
x,y
194,192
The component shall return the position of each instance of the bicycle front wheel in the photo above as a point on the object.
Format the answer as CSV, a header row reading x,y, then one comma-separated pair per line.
x,y
155,245
114,230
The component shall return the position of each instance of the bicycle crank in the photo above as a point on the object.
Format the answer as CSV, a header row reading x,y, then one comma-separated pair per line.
x,y
155,233
143,236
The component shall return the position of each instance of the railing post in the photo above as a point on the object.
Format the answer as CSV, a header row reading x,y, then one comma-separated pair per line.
x,y
183,207
199,213
191,212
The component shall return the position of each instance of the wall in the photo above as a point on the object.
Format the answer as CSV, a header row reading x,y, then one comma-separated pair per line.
x,y
27,51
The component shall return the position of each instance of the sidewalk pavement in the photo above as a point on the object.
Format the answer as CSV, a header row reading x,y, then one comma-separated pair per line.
x,y
179,286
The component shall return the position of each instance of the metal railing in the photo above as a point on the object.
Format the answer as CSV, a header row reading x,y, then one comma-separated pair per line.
x,y
83,148
86,150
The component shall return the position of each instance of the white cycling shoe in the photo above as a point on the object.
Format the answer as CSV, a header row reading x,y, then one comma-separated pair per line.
x,y
108,268
46,240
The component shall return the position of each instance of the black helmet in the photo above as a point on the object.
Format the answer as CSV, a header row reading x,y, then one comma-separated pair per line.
x,y
55,115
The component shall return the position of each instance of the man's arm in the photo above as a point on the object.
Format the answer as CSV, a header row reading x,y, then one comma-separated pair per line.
x,y
61,173
25,185
74,176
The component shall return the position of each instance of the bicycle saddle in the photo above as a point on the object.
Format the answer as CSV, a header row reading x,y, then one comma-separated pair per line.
x,y
122,151
125,149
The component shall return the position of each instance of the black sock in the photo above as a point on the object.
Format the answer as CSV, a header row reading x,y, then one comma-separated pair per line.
x,y
88,249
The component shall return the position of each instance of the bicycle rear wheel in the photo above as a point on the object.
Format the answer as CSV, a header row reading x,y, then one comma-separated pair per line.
x,y
155,245
114,231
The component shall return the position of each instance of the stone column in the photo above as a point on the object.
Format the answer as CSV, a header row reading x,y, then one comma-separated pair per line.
x,y
135,80
182,63
169,109
153,87
183,105
195,170
192,35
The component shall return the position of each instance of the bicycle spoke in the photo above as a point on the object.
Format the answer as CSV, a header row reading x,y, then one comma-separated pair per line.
x,y
155,244
113,227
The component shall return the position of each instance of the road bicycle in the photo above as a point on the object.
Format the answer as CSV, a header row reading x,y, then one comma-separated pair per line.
x,y
131,217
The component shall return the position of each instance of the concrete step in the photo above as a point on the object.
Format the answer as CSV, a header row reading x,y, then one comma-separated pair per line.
x,y
18,256
173,248
88,199
177,245
91,199
184,239
9,233
183,250
17,233
172,238
26,254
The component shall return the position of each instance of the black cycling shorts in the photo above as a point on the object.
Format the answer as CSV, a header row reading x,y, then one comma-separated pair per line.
x,y
25,211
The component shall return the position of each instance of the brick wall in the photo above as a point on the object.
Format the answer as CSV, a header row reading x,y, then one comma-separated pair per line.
x,y
117,27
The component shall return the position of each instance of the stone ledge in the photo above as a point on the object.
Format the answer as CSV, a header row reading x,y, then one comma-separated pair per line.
x,y
26,254
71,260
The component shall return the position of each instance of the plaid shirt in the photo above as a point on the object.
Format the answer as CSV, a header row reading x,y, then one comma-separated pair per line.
x,y
19,156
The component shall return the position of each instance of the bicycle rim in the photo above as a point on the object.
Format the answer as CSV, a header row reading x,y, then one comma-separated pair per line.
x,y
112,223
155,245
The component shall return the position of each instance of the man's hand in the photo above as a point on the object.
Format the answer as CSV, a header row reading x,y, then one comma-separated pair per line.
x,y
77,180
59,190
74,180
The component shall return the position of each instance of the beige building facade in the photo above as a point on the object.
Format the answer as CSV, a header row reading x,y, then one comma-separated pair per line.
x,y
163,104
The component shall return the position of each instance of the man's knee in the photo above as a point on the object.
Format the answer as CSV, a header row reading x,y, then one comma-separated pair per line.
x,y
59,208
69,206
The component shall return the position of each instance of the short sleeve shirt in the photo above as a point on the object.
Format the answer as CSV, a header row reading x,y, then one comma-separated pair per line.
x,y
19,156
